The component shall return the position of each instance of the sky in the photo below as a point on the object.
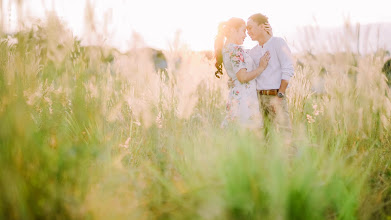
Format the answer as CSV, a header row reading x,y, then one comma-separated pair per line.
x,y
158,21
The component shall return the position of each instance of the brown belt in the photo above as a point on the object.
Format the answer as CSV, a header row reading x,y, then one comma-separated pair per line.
x,y
268,92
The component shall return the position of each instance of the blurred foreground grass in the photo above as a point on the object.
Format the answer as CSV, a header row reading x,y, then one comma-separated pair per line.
x,y
84,136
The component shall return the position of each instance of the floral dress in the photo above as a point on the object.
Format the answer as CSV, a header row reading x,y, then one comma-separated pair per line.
x,y
242,105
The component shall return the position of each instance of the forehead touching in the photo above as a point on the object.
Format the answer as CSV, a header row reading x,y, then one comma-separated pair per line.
x,y
242,28
239,28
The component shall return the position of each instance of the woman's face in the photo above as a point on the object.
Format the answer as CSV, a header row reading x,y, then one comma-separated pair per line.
x,y
238,35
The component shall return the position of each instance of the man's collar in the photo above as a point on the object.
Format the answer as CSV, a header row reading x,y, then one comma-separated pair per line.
x,y
266,43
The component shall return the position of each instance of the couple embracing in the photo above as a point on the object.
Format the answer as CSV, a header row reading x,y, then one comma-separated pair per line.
x,y
258,77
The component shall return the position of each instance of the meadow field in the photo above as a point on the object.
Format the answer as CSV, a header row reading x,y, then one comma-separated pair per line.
x,y
92,133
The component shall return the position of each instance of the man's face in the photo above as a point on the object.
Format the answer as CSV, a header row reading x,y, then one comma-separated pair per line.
x,y
253,29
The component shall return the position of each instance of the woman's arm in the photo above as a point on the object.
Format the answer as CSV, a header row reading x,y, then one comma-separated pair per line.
x,y
244,76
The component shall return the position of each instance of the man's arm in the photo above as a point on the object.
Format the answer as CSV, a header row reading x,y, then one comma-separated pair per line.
x,y
286,63
283,86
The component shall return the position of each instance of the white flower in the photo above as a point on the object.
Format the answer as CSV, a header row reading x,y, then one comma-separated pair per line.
x,y
126,145
310,119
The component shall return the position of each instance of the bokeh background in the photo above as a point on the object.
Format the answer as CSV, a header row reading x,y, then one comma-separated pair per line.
x,y
112,111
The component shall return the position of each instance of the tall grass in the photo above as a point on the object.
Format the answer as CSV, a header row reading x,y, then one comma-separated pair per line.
x,y
82,136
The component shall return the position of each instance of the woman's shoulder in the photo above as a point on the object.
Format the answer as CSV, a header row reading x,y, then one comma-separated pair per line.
x,y
233,48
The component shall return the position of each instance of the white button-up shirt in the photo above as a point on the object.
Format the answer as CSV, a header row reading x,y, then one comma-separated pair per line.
x,y
280,65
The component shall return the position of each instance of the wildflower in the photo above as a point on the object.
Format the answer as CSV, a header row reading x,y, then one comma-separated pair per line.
x,y
126,145
317,110
159,120
137,123
310,119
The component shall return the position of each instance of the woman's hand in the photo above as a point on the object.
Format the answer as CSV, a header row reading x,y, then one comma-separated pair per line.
x,y
244,76
269,29
264,61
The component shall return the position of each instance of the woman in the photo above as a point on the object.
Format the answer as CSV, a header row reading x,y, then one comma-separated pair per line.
x,y
242,105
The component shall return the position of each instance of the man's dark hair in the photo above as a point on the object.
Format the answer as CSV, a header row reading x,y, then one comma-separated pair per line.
x,y
259,18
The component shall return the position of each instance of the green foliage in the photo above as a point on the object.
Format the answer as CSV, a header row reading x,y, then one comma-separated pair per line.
x,y
86,133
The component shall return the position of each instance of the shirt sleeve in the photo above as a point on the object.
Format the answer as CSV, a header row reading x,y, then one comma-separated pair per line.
x,y
286,60
236,57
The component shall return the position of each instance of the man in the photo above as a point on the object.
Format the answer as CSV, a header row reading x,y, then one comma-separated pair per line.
x,y
274,80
